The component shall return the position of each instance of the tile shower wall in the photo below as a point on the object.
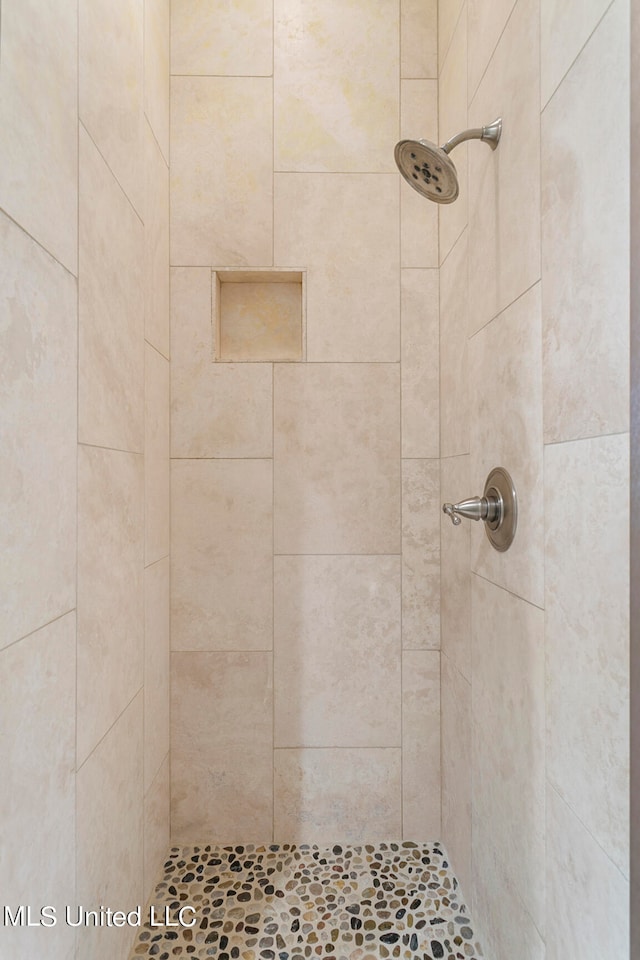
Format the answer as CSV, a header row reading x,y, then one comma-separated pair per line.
x,y
84,531
534,318
305,568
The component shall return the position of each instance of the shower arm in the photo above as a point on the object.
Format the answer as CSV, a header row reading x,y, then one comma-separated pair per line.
x,y
490,134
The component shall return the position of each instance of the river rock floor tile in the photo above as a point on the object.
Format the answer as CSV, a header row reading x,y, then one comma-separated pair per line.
x,y
384,901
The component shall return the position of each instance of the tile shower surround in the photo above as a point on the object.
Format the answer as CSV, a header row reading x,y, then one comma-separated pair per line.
x,y
296,902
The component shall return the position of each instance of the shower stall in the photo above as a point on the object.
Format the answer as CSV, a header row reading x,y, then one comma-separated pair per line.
x,y
244,653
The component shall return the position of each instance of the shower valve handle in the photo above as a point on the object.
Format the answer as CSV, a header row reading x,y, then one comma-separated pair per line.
x,y
476,508
498,507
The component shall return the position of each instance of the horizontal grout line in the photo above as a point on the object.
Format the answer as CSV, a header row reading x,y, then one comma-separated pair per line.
x,y
221,76
419,269
244,652
337,554
222,459
337,173
315,747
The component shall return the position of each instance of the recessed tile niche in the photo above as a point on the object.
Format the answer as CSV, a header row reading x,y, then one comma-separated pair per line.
x,y
258,314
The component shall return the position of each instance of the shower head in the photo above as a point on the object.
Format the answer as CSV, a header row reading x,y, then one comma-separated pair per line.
x,y
430,170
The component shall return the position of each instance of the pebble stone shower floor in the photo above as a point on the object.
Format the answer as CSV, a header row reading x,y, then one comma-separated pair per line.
x,y
384,901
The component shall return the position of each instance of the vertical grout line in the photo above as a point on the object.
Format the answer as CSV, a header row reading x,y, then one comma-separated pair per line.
x,y
75,778
273,435
143,125
170,659
471,892
144,122
399,194
273,610
544,564
273,135
439,428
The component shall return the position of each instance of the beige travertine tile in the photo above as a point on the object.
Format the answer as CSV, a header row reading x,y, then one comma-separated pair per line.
x,y
157,808
221,171
421,744
454,369
587,897
452,119
506,389
420,357
321,794
500,921
38,343
486,22
420,554
585,241
157,41
336,71
156,247
456,770
111,81
37,797
337,652
111,309
110,589
419,38
448,14
221,747
192,335
233,39
109,860
504,184
261,321
566,25
418,217
156,668
344,229
221,555
218,410
455,568
38,119
156,456
337,458
587,634
508,742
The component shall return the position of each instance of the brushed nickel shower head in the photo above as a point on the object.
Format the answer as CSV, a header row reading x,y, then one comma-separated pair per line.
x,y
430,170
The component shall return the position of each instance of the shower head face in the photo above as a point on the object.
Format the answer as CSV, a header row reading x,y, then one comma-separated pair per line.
x,y
428,169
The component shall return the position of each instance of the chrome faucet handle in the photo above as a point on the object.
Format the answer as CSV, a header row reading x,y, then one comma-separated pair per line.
x,y
450,511
498,508
476,508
